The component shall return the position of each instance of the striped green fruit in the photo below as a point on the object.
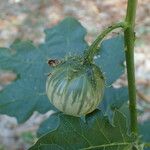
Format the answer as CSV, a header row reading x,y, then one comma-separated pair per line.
x,y
75,88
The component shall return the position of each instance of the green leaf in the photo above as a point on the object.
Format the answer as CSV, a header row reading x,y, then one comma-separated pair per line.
x,y
144,129
113,99
111,57
66,38
71,36
49,124
27,94
96,133
49,147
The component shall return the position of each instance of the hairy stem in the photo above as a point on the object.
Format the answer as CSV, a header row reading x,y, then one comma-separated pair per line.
x,y
93,49
129,42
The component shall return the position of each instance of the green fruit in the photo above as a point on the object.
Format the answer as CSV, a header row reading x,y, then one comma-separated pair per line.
x,y
75,88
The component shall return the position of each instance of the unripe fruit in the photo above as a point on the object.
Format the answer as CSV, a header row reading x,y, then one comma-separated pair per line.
x,y
75,88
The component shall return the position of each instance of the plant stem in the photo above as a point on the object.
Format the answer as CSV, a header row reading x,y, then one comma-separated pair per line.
x,y
129,42
93,49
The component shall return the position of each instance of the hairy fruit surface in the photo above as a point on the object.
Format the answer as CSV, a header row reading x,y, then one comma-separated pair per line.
x,y
74,87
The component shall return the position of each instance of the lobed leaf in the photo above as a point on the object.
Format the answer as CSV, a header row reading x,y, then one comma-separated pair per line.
x,y
96,133
27,93
66,38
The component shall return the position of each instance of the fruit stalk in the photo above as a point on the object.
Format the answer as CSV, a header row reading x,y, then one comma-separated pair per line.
x,y
93,49
129,51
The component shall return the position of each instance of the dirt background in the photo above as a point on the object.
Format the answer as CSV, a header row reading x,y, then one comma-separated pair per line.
x,y
27,19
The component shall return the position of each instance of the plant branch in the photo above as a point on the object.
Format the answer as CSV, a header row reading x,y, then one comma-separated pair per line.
x,y
92,50
129,42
